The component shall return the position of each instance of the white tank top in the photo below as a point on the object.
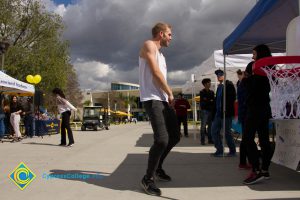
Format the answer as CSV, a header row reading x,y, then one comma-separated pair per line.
x,y
149,89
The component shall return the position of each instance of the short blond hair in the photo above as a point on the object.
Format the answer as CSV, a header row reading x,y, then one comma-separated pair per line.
x,y
160,26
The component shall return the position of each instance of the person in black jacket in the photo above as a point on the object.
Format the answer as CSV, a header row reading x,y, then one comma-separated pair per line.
x,y
218,118
241,97
28,113
207,101
257,119
2,117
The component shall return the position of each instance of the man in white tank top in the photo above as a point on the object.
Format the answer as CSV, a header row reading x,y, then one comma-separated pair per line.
x,y
158,101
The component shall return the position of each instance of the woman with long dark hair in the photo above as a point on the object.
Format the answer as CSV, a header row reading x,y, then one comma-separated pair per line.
x,y
15,112
258,112
64,108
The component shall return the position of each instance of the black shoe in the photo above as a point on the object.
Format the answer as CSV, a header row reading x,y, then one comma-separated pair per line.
x,y
202,143
149,186
162,176
70,144
266,175
217,154
253,178
61,144
186,135
231,154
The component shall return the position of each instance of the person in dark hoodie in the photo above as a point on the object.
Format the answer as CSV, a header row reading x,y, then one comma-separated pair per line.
x,y
257,119
241,97
218,117
207,102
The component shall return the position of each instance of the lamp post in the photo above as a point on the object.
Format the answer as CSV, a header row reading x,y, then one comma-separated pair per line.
x,y
194,106
3,48
128,106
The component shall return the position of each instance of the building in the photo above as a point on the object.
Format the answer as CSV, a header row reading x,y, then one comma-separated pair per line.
x,y
122,96
116,86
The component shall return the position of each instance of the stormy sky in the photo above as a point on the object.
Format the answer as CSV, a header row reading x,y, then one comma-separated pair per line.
x,y
105,35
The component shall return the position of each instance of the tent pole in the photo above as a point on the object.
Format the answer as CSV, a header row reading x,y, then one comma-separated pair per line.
x,y
2,63
224,105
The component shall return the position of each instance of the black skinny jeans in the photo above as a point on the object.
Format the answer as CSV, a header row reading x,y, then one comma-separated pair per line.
x,y
259,123
243,147
183,120
166,133
65,124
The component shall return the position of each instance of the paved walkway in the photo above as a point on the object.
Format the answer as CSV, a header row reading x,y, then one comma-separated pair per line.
x,y
110,164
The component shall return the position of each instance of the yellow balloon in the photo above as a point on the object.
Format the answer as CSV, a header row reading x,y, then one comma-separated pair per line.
x,y
29,78
37,78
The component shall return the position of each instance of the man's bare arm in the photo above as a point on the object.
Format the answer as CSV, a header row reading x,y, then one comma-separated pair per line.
x,y
148,52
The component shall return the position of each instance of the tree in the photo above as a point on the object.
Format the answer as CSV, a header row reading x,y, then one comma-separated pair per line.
x,y
36,47
128,100
87,103
72,91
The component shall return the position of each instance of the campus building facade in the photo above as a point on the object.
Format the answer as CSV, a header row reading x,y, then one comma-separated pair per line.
x,y
122,96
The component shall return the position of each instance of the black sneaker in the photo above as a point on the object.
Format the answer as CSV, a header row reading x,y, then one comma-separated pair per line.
x,y
217,154
231,154
266,175
149,186
61,144
162,176
253,178
70,144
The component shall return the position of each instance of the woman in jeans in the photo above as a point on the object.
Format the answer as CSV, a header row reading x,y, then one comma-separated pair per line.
x,y
64,108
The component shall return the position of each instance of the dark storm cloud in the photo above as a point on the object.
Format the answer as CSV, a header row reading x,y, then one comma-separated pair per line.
x,y
105,35
112,31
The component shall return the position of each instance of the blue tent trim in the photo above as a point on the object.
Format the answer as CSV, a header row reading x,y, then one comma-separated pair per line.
x,y
265,23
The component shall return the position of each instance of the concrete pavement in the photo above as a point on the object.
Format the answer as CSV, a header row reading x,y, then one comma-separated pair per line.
x,y
110,164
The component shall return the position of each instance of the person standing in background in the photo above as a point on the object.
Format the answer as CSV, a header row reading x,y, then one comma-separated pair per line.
x,y
15,117
28,117
181,107
257,119
2,117
218,117
241,97
64,108
207,101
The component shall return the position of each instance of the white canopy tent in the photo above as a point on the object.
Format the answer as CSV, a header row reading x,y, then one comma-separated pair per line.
x,y
214,62
207,70
10,85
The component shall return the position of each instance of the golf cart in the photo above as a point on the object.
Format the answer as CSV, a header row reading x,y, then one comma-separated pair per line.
x,y
95,117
